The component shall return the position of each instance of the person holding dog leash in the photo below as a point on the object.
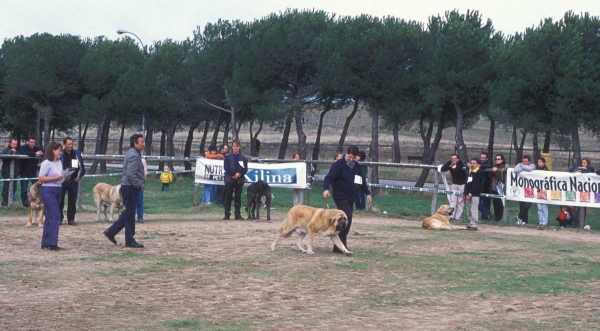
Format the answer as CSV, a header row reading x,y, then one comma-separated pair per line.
x,y
345,175
236,167
131,184
51,176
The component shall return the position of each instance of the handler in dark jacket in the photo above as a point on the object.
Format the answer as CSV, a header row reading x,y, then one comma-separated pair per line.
x,y
236,167
29,168
70,158
472,192
344,175
10,149
131,184
459,179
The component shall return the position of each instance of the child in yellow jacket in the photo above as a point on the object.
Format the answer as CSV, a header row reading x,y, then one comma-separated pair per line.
x,y
166,178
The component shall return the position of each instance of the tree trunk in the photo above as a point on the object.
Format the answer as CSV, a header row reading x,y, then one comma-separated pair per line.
x,y
300,132
396,145
47,119
432,150
317,147
536,148
519,147
102,126
226,133
547,137
491,138
81,142
121,139
340,146
187,150
105,135
203,140
163,135
170,144
214,140
576,145
53,132
374,152
426,138
254,147
461,148
286,136
149,135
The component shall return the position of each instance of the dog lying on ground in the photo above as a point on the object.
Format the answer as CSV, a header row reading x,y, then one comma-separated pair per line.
x,y
36,205
304,219
107,195
259,194
441,220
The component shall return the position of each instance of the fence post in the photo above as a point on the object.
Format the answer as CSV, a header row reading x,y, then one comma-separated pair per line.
x,y
196,190
12,183
436,187
309,181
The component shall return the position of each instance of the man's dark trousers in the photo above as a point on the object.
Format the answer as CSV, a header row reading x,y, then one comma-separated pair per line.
x,y
24,190
345,206
71,187
229,187
127,218
524,211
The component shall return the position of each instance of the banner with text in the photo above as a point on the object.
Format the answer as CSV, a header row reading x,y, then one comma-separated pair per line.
x,y
288,175
553,187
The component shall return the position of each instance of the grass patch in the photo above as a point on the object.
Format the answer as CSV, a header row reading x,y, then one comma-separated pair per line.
x,y
199,325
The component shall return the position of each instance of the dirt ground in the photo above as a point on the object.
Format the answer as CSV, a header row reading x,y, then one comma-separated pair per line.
x,y
211,274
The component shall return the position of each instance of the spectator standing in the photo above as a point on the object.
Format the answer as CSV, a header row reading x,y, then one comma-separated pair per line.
x,y
344,175
525,165
166,178
584,168
497,185
459,179
236,167
542,208
485,202
28,168
472,193
210,190
51,177
131,184
70,159
221,188
298,193
11,149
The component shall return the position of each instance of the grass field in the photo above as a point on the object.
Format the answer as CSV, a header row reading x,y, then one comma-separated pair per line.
x,y
198,272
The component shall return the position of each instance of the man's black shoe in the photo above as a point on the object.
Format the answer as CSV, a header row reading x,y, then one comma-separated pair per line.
x,y
471,228
72,223
110,237
226,218
135,244
239,217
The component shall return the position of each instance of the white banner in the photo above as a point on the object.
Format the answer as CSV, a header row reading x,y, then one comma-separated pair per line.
x,y
553,187
288,175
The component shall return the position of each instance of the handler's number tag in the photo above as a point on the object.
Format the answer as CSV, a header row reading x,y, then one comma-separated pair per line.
x,y
241,163
470,179
74,163
357,180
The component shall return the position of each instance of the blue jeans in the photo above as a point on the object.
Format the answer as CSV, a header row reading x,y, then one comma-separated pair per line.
x,y
486,214
140,207
51,197
210,193
127,218
542,211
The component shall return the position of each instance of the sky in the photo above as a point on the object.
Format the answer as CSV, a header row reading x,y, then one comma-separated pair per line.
x,y
154,20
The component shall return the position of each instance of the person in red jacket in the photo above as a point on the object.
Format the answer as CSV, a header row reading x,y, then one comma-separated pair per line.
x,y
565,215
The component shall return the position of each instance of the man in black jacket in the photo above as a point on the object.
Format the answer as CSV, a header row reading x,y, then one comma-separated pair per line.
x,y
236,167
459,179
10,149
472,192
29,168
344,175
70,158
485,202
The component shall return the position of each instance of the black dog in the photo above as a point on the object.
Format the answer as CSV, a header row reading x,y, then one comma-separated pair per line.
x,y
256,192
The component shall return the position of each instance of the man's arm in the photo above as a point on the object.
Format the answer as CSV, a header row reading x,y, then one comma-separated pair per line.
x,y
446,166
334,171
521,167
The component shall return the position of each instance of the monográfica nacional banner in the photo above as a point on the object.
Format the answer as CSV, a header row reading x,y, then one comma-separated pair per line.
x,y
554,187
288,175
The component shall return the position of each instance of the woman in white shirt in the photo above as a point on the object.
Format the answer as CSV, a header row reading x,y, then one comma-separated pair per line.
x,y
52,179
